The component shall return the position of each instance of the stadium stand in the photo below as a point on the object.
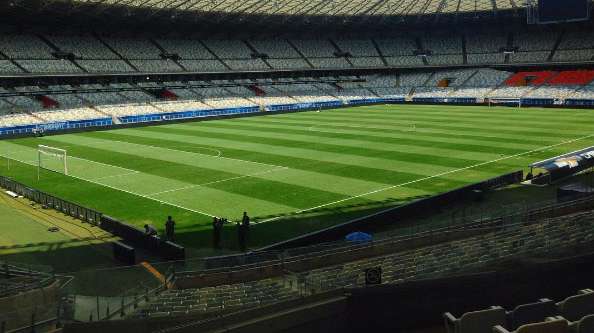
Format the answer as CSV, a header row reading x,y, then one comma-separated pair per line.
x,y
490,246
555,92
36,294
450,78
178,60
485,48
529,78
220,298
471,85
575,46
414,79
69,53
573,314
572,78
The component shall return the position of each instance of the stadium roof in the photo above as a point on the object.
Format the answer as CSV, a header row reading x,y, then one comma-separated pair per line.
x,y
262,16
317,7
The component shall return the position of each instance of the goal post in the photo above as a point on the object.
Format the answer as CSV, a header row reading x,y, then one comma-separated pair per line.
x,y
52,158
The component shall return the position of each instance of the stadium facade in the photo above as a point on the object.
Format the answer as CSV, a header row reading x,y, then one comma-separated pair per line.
x,y
87,65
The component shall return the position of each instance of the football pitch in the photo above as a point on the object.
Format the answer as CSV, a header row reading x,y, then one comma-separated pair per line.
x,y
293,173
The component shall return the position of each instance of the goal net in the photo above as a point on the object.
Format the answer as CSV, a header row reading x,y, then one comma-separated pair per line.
x,y
505,101
53,159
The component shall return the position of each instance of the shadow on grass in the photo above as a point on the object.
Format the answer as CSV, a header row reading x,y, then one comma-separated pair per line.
x,y
92,266
60,244
281,227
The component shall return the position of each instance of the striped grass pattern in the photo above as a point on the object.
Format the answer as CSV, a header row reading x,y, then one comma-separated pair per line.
x,y
297,172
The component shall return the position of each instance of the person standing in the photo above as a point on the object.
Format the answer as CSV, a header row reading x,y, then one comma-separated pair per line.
x,y
241,236
169,229
245,223
217,225
245,220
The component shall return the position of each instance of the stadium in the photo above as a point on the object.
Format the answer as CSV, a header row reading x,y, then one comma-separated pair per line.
x,y
290,166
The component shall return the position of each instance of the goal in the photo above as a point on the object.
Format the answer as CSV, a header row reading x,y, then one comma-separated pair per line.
x,y
504,101
53,159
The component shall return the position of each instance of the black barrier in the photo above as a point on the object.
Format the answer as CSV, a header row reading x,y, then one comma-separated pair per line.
x,y
129,233
124,253
172,251
76,211
386,217
167,250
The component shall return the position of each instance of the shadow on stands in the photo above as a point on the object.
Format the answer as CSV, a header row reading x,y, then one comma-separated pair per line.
x,y
529,290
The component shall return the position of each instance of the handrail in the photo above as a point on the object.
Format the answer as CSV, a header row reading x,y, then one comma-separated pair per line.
x,y
119,311
26,286
30,328
326,248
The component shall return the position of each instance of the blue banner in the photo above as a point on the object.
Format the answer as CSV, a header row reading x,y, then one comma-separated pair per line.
x,y
58,126
579,102
187,114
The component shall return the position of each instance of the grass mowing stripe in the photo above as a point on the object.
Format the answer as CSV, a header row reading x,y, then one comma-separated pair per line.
x,y
187,177
473,128
302,180
109,186
378,134
344,158
129,207
500,122
146,164
326,159
336,177
527,117
353,147
408,119
143,184
462,111
399,151
436,176
426,130
407,144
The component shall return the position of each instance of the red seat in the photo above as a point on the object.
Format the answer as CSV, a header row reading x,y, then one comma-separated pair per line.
x,y
529,78
572,78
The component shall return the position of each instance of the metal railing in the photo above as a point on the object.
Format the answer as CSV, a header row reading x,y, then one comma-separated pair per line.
x,y
511,215
69,208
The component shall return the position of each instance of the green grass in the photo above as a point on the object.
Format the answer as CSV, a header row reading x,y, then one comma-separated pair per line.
x,y
295,172
26,241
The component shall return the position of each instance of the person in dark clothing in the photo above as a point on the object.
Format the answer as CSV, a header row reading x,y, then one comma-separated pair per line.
x,y
241,236
245,222
217,225
169,228
150,230
246,219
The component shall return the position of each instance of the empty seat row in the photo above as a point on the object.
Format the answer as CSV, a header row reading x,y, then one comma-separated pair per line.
x,y
527,318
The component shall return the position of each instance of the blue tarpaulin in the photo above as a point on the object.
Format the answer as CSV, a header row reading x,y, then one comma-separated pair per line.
x,y
358,237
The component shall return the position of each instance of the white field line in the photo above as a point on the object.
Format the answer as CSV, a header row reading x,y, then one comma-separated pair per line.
x,y
431,177
119,175
193,153
90,161
125,191
218,181
104,164
399,128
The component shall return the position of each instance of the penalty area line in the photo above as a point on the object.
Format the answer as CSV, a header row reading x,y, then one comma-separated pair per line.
x,y
194,153
219,181
119,175
544,148
126,191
